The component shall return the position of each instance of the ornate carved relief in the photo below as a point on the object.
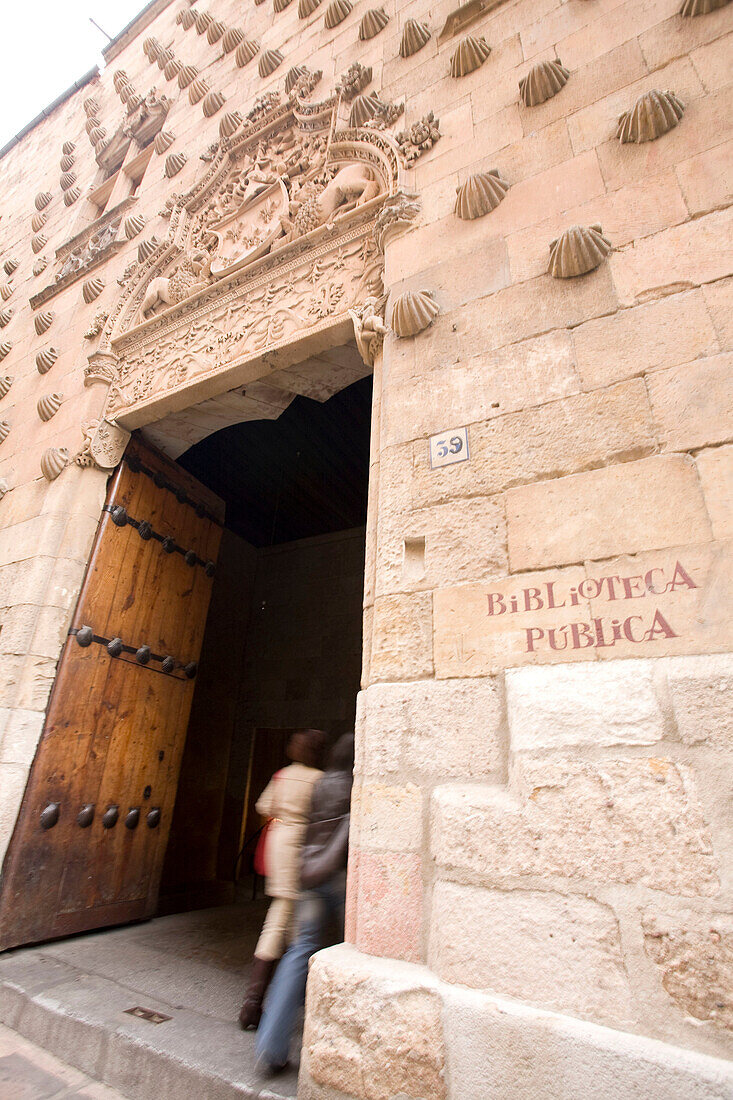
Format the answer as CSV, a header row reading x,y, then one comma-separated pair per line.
x,y
420,137
97,325
369,327
87,250
104,445
354,80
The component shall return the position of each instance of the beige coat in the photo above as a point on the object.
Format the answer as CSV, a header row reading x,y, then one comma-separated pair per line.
x,y
286,799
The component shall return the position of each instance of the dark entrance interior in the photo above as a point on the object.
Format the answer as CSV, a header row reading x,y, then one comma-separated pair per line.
x,y
282,647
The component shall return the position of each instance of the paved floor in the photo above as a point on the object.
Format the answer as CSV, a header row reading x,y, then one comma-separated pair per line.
x,y
29,1073
73,997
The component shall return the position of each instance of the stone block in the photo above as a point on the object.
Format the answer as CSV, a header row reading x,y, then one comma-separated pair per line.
x,y
712,63
387,818
683,256
389,904
672,37
21,735
707,179
624,508
701,694
476,267
715,468
659,334
719,299
373,1030
557,952
617,820
432,729
12,786
402,637
692,404
614,703
694,958
536,152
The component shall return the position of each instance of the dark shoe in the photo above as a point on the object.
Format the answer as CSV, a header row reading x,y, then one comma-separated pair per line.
x,y
259,979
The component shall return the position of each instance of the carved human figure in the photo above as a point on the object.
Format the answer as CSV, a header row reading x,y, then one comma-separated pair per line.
x,y
369,327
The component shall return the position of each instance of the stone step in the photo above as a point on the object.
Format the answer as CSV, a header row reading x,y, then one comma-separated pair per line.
x,y
82,1018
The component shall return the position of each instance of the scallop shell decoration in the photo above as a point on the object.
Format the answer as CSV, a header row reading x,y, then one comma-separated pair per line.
x,y
245,52
213,102
579,250
269,61
42,199
4,430
701,7
543,81
229,124
336,13
46,359
151,48
372,23
5,384
68,179
202,19
91,106
5,291
68,148
146,249
40,265
232,39
163,141
49,405
214,31
5,316
307,7
164,58
173,164
38,243
43,321
197,90
66,162
53,461
186,18
414,36
71,196
5,348
134,225
293,76
186,75
280,5
172,69
470,55
413,312
10,265
97,134
4,487
38,221
363,108
653,114
120,80
91,289
480,194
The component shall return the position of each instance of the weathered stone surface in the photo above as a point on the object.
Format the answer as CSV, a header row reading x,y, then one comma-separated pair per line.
x,y
609,704
402,638
20,736
621,509
719,298
389,903
695,961
707,179
715,468
372,1032
558,952
693,404
620,820
431,729
701,693
387,818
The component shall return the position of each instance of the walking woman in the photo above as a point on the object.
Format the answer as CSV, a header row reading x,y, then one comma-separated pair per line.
x,y
286,802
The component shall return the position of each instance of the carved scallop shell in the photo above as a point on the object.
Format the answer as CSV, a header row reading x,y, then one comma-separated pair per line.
x,y
92,288
91,124
71,196
164,58
46,359
280,5
701,7
173,164
203,20
231,39
38,221
543,81
269,61
49,405
68,179
336,13
480,194
163,141
413,312
10,265
151,46
172,68
53,461
66,162
293,76
43,321
39,242
146,249
470,55
653,114
5,316
245,52
186,75
579,250
214,31
229,124
5,291
186,18
307,7
129,96
97,134
197,90
40,265
91,106
120,80
5,383
5,348
4,487
4,430
134,225
414,36
68,148
212,103
372,23
42,199
363,108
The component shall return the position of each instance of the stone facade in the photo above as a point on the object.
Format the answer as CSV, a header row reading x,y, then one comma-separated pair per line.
x,y
543,830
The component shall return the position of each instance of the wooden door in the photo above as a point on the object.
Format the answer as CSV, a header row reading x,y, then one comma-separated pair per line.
x,y
89,842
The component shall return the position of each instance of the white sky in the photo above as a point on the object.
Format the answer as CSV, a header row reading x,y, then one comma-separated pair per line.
x,y
47,45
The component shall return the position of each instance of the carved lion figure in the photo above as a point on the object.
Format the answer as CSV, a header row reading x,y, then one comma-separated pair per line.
x,y
191,274
351,186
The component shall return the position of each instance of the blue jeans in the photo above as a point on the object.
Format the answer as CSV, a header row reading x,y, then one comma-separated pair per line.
x,y
287,991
